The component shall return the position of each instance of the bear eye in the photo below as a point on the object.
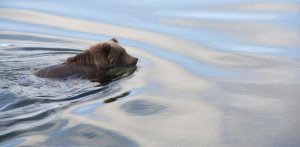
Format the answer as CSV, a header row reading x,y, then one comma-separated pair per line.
x,y
121,54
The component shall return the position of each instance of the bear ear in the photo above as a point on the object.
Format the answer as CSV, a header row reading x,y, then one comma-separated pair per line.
x,y
106,48
114,40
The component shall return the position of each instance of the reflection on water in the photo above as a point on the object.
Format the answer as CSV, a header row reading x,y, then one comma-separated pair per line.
x,y
140,107
80,134
210,73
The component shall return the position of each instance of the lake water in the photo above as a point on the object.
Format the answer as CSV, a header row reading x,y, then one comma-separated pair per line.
x,y
210,73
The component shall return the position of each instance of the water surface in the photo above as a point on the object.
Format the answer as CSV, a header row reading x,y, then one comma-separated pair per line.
x,y
210,73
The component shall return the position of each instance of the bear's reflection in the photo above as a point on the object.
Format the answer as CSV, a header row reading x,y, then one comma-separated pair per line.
x,y
115,74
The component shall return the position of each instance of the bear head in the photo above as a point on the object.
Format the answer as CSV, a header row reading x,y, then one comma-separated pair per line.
x,y
104,56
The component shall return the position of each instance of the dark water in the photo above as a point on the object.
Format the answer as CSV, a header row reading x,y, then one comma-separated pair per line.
x,y
210,73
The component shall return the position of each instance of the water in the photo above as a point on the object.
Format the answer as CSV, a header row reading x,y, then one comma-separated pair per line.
x,y
210,73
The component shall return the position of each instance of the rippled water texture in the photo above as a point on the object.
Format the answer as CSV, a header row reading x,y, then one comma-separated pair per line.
x,y
210,73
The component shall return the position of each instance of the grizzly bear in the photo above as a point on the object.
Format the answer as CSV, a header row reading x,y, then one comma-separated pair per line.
x,y
92,64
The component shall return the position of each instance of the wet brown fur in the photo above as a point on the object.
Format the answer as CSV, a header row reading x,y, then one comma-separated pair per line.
x,y
84,58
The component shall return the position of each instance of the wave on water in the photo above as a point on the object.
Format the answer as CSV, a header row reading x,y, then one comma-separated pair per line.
x,y
28,101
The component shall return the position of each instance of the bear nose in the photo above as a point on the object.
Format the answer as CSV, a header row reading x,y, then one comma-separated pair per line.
x,y
135,61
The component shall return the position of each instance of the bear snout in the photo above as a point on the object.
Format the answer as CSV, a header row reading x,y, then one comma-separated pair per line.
x,y
132,60
135,60
127,60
